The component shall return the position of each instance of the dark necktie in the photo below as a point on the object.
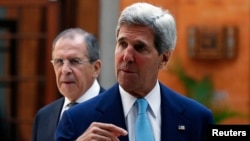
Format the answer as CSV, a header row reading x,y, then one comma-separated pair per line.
x,y
144,130
73,103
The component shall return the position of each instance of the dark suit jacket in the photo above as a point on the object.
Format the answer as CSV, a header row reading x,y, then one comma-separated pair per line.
x,y
176,110
46,120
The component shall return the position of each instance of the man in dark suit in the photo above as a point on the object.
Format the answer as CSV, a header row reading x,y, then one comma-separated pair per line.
x,y
146,37
75,58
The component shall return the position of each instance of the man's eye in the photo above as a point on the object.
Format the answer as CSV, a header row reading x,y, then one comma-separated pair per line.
x,y
140,47
58,61
74,61
123,44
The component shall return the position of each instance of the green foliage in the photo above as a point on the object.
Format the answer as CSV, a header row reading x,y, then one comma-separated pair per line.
x,y
222,114
203,91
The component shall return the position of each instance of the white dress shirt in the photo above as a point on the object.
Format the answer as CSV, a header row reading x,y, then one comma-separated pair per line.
x,y
90,93
154,113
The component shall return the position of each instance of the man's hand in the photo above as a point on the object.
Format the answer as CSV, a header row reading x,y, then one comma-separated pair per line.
x,y
98,131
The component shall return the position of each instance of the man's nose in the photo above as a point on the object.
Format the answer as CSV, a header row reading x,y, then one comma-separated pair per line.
x,y
66,67
128,54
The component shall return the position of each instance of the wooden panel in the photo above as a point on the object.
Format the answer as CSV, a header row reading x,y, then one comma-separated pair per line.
x,y
51,92
32,78
88,16
17,3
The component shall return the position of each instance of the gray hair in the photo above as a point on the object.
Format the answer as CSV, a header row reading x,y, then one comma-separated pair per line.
x,y
88,38
159,20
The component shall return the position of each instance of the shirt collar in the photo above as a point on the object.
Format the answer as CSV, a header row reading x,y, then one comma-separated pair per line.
x,y
90,93
153,98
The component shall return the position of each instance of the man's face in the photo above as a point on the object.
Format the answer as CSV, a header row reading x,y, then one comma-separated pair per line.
x,y
136,59
73,79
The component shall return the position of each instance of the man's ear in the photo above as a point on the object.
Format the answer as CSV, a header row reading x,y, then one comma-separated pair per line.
x,y
165,57
97,68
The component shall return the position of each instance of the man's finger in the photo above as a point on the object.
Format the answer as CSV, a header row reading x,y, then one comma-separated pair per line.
x,y
117,131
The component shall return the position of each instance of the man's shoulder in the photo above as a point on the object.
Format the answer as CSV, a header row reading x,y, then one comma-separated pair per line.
x,y
182,100
102,100
57,104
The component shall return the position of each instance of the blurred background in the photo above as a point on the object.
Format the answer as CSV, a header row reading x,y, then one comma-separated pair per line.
x,y
211,62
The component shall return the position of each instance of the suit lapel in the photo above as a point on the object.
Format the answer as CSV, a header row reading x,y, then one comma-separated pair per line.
x,y
174,125
112,111
51,121
56,112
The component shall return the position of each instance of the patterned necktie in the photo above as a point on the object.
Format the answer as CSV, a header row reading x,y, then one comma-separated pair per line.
x,y
143,131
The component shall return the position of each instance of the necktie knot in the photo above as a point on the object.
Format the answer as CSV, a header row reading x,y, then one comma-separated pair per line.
x,y
142,105
71,104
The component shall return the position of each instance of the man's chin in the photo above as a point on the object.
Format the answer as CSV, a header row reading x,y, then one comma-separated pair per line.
x,y
69,89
